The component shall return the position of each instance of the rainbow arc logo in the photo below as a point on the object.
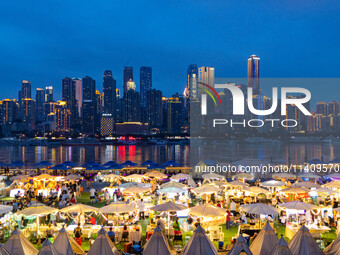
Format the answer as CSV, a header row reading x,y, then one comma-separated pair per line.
x,y
205,89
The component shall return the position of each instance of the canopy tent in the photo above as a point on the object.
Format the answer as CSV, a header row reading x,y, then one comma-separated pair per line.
x,y
213,176
17,164
237,183
155,166
110,163
73,177
180,176
171,163
17,244
207,210
295,190
79,208
332,184
325,191
60,167
332,249
206,190
284,176
259,209
5,209
191,182
156,174
48,249
117,208
90,164
171,190
103,245
298,205
303,243
69,164
256,190
273,183
173,184
136,190
44,177
136,177
43,164
309,176
199,243
66,245
333,176
218,183
128,163
281,248
243,176
3,250
131,184
147,163
157,244
306,184
240,247
264,242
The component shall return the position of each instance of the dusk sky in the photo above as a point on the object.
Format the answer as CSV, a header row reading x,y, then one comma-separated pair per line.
x,y
44,41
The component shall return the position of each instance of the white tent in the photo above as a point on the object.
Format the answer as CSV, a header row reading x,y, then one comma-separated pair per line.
x,y
199,243
157,244
306,184
333,248
303,243
240,247
264,242
191,182
259,209
298,205
281,248
103,245
17,244
213,176
272,183
66,245
3,250
173,184
284,176
180,176
48,249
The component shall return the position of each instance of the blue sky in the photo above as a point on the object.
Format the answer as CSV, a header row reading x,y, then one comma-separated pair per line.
x,y
44,41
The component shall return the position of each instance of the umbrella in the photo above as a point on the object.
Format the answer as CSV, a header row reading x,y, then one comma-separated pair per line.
x,y
3,164
17,164
332,184
237,183
155,166
69,164
207,210
118,208
284,176
309,176
147,163
99,168
171,190
213,176
90,164
138,177
156,174
218,183
325,190
168,207
180,176
44,177
306,185
256,190
206,190
259,209
110,163
273,183
79,208
243,176
131,184
44,163
296,190
129,163
60,167
173,184
171,163
136,190
297,205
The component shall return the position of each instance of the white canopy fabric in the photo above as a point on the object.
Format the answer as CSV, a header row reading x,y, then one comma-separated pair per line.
x,y
239,247
206,190
17,244
332,184
48,249
273,183
256,190
3,250
218,183
137,177
303,243
38,210
157,244
168,207
295,190
199,244
213,176
309,176
325,190
173,190
156,174
191,182
237,183
5,209
264,241
333,248
66,245
173,184
243,176
117,208
298,205
103,245
136,190
207,210
281,248
284,176
306,184
259,209
180,176
79,208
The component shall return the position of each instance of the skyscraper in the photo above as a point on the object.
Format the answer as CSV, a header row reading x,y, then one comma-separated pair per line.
x,y
254,74
28,112
109,90
131,106
69,96
39,104
89,106
333,108
49,94
174,116
62,117
127,76
79,93
145,83
26,88
154,108
9,111
192,78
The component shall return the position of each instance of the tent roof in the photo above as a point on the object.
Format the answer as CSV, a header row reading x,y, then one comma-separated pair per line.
x,y
199,243
157,244
66,245
303,243
48,249
103,245
240,246
3,250
264,242
281,248
333,248
17,244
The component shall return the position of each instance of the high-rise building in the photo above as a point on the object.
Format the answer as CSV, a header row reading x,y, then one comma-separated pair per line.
x,y
192,78
79,93
154,108
89,106
206,75
333,108
28,112
9,111
39,104
131,106
69,96
127,76
321,108
109,90
145,83
49,94
174,116
254,74
131,85
26,89
106,125
62,117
